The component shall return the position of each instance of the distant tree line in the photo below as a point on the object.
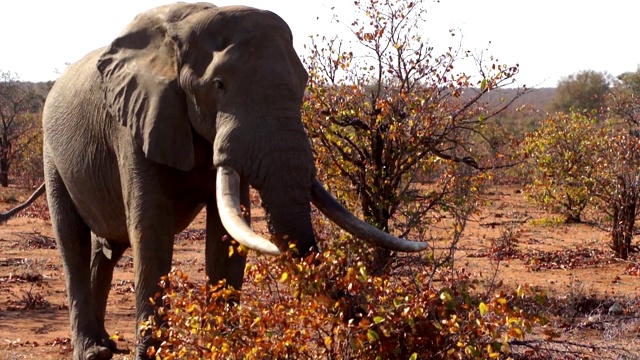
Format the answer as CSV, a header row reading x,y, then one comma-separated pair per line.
x,y
20,135
586,153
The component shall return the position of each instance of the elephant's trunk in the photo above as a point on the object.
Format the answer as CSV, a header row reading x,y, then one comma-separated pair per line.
x,y
286,197
292,226
278,162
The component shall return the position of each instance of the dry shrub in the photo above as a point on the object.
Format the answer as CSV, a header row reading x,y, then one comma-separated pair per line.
x,y
29,300
329,307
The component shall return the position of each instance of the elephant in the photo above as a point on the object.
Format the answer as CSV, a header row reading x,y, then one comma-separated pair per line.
x,y
189,107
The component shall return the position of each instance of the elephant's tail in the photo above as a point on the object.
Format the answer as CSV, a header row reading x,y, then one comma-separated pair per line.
x,y
36,194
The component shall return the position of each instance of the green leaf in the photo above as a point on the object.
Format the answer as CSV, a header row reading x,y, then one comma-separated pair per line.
x,y
372,335
378,319
363,272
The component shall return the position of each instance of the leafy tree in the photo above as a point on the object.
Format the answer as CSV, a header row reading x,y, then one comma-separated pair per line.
x,y
27,167
564,151
17,105
630,81
618,178
617,187
623,101
583,91
579,162
395,111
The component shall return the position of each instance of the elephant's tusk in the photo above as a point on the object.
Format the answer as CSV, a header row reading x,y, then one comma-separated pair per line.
x,y
228,202
329,206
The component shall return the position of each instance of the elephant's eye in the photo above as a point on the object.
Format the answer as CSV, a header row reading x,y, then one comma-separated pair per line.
x,y
218,84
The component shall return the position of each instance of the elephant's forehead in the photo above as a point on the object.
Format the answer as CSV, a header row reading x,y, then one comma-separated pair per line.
x,y
257,61
237,23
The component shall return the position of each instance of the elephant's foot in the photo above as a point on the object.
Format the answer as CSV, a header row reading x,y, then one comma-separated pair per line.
x,y
91,351
111,345
142,351
97,353
108,343
142,346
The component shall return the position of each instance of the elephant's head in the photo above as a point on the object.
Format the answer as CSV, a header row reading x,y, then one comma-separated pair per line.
x,y
231,75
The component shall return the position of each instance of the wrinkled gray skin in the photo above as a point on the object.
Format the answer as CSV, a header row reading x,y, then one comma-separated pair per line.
x,y
133,132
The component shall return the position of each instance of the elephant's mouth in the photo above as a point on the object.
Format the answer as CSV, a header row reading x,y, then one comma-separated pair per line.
x,y
228,202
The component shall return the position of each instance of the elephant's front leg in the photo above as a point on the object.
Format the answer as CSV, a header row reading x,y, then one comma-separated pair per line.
x,y
104,257
151,226
219,264
151,235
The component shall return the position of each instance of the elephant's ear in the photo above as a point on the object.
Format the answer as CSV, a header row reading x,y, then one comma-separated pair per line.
x,y
140,78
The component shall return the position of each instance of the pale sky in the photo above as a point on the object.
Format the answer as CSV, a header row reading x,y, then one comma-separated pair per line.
x,y
549,39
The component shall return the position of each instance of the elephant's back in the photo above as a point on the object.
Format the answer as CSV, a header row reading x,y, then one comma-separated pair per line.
x,y
75,100
78,133
72,88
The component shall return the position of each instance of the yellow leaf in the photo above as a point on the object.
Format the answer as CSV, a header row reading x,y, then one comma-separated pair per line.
x,y
284,277
116,337
483,309
327,341
257,320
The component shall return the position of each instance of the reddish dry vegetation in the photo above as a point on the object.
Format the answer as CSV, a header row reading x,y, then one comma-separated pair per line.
x,y
510,243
